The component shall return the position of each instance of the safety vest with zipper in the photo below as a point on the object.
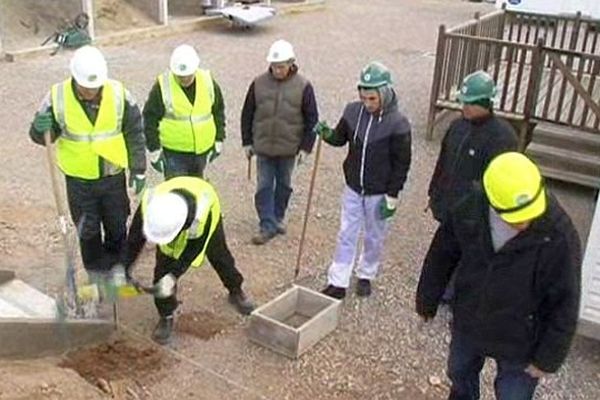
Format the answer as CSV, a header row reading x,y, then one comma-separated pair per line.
x,y
187,127
82,143
207,203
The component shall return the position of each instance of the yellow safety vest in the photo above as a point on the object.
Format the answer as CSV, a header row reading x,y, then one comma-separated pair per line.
x,y
207,203
187,127
81,143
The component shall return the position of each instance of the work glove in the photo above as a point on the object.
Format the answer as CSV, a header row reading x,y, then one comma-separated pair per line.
x,y
249,150
137,182
323,130
157,161
165,287
387,206
301,157
43,121
215,151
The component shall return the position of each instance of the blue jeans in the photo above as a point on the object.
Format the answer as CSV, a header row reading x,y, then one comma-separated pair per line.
x,y
273,190
465,364
184,164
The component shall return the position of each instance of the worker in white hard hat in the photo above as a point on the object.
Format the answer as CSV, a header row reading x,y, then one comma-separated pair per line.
x,y
97,127
277,123
184,117
182,216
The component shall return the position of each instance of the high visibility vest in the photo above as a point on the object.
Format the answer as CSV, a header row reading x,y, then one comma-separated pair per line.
x,y
187,127
81,143
207,203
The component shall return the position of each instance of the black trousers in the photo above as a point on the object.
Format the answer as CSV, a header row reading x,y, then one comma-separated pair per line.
x,y
220,258
99,209
184,164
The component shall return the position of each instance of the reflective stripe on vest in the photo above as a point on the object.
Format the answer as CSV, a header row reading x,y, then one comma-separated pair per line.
x,y
81,143
187,127
207,202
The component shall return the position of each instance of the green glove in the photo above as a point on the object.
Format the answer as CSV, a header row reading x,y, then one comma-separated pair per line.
x,y
157,160
387,207
137,182
43,121
215,151
323,130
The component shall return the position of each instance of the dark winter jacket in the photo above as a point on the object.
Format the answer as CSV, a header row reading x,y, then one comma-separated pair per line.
x,y
278,116
154,111
379,147
467,148
519,303
132,129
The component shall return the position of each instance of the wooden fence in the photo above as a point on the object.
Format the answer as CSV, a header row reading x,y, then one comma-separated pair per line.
x,y
545,67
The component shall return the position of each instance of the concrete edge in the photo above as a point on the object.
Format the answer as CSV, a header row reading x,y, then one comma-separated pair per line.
x,y
150,32
6,275
32,338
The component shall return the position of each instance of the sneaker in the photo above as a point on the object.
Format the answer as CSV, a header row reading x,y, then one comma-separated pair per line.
x,y
262,238
334,291
281,229
162,331
241,302
363,288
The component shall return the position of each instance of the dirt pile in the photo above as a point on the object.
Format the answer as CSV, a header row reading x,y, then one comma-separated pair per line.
x,y
116,15
201,324
118,367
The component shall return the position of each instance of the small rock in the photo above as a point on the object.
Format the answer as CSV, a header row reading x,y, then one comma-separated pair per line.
x,y
435,380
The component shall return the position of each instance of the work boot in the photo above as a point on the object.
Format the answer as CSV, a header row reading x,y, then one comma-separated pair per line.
x,y
241,302
162,331
263,237
363,288
280,228
334,291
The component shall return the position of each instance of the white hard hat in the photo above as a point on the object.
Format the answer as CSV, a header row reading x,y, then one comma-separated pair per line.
x,y
164,217
88,67
280,51
184,60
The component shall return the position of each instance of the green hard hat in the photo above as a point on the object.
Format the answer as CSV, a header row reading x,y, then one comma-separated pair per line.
x,y
374,75
477,86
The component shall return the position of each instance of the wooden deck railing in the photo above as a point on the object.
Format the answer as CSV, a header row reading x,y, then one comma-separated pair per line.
x,y
546,68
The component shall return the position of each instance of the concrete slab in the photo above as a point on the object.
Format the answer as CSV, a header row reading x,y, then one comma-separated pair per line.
x,y
32,302
29,338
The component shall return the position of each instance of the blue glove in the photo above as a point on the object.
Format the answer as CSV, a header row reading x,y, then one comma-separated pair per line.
x,y
215,151
323,130
387,207
137,182
157,160
43,121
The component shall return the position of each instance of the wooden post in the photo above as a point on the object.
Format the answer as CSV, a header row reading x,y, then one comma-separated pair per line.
x,y
532,91
575,33
163,12
437,77
87,6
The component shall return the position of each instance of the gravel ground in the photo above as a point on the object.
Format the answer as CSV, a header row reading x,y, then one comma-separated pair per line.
x,y
379,351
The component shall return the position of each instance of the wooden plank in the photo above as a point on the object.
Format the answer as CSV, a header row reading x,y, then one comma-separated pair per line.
x,y
318,327
273,335
575,94
440,58
282,307
576,85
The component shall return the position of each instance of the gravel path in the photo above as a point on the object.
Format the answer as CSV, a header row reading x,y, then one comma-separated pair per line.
x,y
378,351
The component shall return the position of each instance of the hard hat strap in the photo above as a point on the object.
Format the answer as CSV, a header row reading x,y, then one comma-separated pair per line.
x,y
521,206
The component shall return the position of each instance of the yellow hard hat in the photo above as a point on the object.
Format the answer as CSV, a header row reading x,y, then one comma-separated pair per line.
x,y
515,188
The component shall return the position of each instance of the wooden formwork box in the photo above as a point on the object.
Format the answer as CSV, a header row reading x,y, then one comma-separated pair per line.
x,y
294,321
